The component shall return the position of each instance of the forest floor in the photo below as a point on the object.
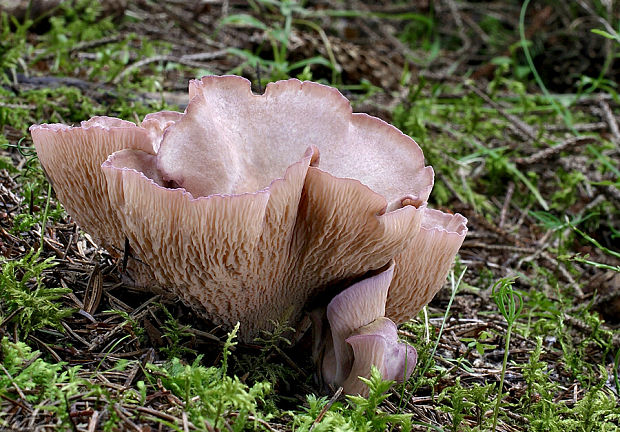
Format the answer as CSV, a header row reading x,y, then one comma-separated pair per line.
x,y
514,104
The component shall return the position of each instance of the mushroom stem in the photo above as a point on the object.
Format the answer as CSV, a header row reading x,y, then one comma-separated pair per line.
x,y
355,335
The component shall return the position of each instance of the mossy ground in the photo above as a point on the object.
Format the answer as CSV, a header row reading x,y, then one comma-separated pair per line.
x,y
515,106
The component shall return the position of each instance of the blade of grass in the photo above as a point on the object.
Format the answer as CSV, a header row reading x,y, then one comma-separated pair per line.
x,y
512,168
455,287
603,159
510,305
593,241
530,61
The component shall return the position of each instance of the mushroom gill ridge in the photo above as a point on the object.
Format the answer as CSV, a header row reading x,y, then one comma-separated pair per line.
x,y
228,206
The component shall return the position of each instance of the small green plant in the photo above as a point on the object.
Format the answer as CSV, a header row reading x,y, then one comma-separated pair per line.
x,y
12,44
460,407
480,343
40,382
482,396
175,334
262,367
510,304
360,414
538,398
366,410
278,33
80,21
466,403
211,397
598,409
24,298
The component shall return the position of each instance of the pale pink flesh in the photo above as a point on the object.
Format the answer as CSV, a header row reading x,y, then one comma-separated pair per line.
x,y
351,232
400,358
376,344
248,140
357,306
157,123
308,231
72,157
360,336
421,269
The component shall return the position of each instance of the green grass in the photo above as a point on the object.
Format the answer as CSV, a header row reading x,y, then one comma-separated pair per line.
x,y
27,303
544,360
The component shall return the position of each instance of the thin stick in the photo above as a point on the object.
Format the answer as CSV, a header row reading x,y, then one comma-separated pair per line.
x,y
184,60
94,420
502,215
611,121
552,151
521,126
326,408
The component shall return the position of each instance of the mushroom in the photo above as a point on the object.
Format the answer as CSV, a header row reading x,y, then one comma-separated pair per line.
x,y
422,267
230,205
358,336
72,158
376,344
